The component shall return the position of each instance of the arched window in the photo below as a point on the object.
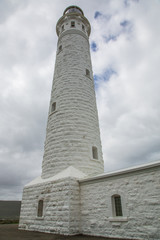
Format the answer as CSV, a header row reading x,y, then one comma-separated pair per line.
x,y
117,206
40,208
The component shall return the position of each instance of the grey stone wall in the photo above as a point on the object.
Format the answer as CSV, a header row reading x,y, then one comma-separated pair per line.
x,y
140,195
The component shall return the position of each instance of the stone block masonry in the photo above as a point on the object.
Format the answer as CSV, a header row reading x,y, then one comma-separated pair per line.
x,y
72,127
51,203
61,212
72,206
139,189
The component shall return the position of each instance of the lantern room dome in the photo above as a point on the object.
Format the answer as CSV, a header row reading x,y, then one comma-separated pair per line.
x,y
73,9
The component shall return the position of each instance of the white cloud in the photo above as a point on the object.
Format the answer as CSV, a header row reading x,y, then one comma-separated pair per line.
x,y
128,103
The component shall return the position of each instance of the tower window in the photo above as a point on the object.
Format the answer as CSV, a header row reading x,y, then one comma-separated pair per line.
x,y
72,24
83,28
53,108
94,153
60,48
40,208
117,205
62,28
87,73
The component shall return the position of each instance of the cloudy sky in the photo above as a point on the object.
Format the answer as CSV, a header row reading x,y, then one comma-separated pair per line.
x,y
125,51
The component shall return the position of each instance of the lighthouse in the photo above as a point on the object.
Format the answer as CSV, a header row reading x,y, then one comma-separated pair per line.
x,y
72,151
72,137
73,195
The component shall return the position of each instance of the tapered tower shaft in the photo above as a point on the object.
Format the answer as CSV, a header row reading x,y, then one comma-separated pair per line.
x,y
72,136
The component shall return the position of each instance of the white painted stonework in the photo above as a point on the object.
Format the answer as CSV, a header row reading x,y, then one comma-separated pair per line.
x,y
139,189
76,196
73,128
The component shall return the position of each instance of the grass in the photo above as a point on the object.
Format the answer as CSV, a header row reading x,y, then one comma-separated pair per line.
x,y
9,221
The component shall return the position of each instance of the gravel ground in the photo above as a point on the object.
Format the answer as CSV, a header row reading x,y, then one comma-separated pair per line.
x,y
11,232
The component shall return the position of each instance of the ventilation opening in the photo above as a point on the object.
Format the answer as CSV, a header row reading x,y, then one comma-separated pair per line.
x,y
87,73
94,153
53,108
83,28
62,28
72,24
117,206
40,208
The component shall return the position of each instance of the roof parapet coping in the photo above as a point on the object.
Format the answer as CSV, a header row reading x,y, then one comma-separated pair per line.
x,y
122,171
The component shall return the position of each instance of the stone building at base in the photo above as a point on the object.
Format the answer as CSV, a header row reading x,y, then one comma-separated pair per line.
x,y
73,195
74,204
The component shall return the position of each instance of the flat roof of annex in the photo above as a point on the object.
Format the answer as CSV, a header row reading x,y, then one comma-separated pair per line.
x,y
120,173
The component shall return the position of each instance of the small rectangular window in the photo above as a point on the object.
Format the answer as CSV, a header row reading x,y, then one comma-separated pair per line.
x,y
72,24
40,208
53,108
83,28
94,153
62,28
87,73
118,206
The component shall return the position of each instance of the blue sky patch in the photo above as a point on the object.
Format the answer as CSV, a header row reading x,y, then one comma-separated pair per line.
x,y
103,77
106,17
126,26
97,14
127,2
110,38
96,79
108,73
125,23
94,47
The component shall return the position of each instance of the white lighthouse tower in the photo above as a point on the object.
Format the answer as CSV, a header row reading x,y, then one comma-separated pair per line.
x,y
72,137
72,147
